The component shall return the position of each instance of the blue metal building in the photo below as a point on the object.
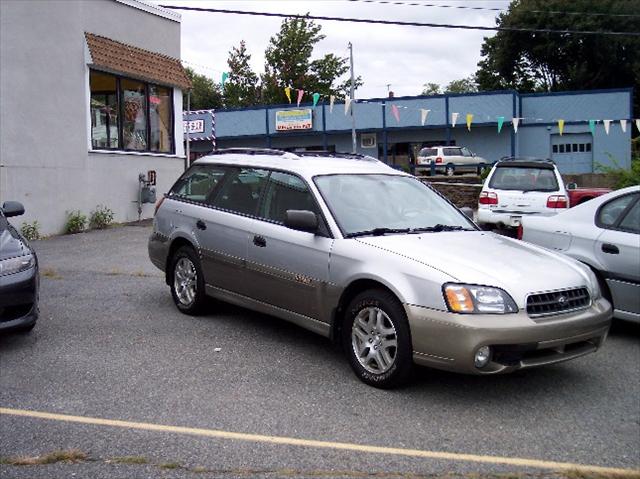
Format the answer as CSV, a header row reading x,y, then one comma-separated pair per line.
x,y
392,129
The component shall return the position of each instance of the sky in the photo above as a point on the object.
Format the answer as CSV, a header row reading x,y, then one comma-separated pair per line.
x,y
403,57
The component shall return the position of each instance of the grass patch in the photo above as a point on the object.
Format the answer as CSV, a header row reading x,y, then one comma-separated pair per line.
x,y
130,460
70,455
170,465
199,469
50,273
582,474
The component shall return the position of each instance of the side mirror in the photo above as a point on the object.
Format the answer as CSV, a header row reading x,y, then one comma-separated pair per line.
x,y
301,220
12,208
572,186
468,212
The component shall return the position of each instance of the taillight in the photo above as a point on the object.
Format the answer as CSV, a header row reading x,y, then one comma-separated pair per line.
x,y
158,203
488,198
520,231
439,159
557,201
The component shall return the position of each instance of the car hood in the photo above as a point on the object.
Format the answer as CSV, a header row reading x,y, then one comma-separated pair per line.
x,y
487,259
11,244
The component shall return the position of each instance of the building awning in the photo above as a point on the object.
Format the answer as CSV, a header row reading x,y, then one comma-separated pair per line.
x,y
128,60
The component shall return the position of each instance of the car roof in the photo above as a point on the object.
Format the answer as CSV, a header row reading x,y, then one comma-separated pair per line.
x,y
525,162
307,163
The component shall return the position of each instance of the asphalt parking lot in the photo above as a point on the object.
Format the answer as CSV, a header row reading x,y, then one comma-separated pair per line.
x,y
239,394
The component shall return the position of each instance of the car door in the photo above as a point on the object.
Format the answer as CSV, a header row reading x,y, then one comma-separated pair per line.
x,y
617,249
223,229
286,268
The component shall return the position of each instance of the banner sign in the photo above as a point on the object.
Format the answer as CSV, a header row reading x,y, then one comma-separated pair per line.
x,y
287,120
199,125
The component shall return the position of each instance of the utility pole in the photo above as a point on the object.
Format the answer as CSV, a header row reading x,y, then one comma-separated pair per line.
x,y
353,118
187,159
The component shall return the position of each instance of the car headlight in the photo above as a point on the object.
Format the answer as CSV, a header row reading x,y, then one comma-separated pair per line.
x,y
594,284
15,265
471,299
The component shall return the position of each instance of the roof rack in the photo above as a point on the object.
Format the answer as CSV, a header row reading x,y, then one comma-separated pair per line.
x,y
248,151
333,154
525,158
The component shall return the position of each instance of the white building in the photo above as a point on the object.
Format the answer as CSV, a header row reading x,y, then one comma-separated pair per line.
x,y
90,97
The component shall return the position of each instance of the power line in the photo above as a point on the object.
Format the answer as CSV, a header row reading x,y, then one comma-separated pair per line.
x,y
400,23
492,9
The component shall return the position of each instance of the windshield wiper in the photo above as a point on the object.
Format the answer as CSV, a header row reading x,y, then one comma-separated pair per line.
x,y
439,227
377,232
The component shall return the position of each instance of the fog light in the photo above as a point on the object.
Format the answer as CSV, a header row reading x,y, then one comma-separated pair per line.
x,y
482,356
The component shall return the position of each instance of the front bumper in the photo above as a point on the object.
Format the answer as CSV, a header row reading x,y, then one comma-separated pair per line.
x,y
19,300
449,341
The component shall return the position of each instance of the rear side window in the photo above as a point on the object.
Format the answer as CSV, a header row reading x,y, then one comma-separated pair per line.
x,y
428,152
197,183
241,190
631,221
286,192
451,152
524,179
611,212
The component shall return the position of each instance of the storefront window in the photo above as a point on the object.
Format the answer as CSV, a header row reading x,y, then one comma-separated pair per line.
x,y
104,111
128,114
160,118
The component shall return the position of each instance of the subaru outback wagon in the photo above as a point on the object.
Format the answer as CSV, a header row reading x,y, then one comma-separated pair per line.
x,y
351,249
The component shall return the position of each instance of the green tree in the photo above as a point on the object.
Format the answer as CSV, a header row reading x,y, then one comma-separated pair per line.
x,y
205,93
241,88
288,63
431,89
463,85
562,61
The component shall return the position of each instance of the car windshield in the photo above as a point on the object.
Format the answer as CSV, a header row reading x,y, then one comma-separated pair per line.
x,y
524,179
375,204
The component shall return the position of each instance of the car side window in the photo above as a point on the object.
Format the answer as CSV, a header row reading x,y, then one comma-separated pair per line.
x,y
241,190
631,221
286,192
466,152
451,151
197,183
609,214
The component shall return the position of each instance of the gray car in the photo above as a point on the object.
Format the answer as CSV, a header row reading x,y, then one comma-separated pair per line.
x,y
351,249
603,233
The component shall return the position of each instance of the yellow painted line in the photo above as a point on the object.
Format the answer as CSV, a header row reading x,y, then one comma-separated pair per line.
x,y
343,446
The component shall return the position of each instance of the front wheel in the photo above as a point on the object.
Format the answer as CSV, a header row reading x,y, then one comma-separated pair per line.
x,y
450,170
187,283
377,339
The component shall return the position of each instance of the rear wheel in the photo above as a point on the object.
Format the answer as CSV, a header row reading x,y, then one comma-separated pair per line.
x,y
449,170
481,169
377,339
187,282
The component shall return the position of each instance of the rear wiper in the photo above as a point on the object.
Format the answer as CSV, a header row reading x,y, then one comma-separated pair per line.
x,y
439,227
377,232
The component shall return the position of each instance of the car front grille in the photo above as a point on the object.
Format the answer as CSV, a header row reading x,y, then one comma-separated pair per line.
x,y
556,302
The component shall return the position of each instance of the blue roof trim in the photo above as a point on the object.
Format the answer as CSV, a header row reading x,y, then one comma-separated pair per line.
x,y
579,92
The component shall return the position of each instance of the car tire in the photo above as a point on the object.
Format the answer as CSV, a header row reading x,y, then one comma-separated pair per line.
x,y
481,169
187,281
26,329
377,339
449,170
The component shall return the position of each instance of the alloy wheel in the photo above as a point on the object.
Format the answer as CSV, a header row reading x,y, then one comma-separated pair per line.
x,y
185,279
374,340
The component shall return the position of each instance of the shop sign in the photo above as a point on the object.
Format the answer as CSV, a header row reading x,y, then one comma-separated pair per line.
x,y
287,120
200,125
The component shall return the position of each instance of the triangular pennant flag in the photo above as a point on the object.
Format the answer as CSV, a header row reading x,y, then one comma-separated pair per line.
x,y
500,123
561,126
347,104
469,120
300,93
607,125
592,126
423,115
638,124
516,122
396,113
454,119
225,75
287,91
316,97
623,125
332,99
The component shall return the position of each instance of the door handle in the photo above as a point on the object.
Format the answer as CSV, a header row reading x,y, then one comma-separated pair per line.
x,y
610,248
259,241
201,225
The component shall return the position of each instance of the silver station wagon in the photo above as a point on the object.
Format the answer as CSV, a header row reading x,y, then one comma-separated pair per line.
x,y
351,249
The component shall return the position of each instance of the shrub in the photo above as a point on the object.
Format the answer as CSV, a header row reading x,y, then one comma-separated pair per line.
x,y
101,217
31,231
621,177
76,222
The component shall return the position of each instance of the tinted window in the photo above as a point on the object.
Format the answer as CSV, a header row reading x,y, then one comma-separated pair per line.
x,y
582,147
561,148
555,148
525,179
451,151
631,221
610,213
197,182
286,192
588,146
241,191
428,152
